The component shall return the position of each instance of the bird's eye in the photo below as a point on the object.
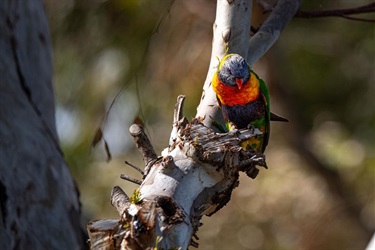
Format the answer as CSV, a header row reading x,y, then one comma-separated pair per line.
x,y
229,71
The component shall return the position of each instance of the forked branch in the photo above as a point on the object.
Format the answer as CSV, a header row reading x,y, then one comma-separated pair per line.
x,y
194,177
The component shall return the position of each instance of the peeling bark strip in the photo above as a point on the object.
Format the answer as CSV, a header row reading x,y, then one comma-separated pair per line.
x,y
194,177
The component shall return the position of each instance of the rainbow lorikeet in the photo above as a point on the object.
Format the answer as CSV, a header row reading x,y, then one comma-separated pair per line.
x,y
244,99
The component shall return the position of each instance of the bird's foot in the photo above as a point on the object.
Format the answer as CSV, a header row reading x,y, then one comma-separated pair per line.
x,y
251,128
234,131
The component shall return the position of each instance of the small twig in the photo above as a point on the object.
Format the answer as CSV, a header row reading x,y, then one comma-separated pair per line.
x,y
128,178
194,243
252,173
119,200
135,167
257,159
359,19
144,145
369,8
178,109
195,236
177,118
249,165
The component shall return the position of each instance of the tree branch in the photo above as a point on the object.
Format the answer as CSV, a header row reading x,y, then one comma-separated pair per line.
x,y
231,31
271,29
368,8
144,145
194,177
199,169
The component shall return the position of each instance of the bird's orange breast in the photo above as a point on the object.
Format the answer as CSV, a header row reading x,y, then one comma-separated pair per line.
x,y
230,96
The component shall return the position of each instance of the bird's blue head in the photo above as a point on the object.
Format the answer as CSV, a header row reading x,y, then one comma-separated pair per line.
x,y
234,71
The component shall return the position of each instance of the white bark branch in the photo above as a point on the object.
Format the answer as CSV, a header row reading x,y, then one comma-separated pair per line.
x,y
233,23
198,171
194,177
271,29
231,31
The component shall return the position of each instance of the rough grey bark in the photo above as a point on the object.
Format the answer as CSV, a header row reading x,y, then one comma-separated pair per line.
x,y
39,201
199,169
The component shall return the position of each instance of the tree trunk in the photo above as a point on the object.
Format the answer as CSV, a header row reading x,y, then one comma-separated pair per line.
x,y
39,201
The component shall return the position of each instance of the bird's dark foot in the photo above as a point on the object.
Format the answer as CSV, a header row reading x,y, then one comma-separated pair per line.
x,y
233,129
231,126
234,133
251,128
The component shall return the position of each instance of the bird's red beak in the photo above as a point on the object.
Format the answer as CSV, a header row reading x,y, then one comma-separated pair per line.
x,y
239,82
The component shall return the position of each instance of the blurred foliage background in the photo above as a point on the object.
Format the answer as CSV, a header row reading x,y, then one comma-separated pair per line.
x,y
319,190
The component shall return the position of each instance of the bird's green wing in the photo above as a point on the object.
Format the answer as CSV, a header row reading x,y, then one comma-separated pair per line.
x,y
266,97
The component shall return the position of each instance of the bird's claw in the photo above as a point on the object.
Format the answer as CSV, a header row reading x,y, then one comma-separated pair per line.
x,y
251,128
234,131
